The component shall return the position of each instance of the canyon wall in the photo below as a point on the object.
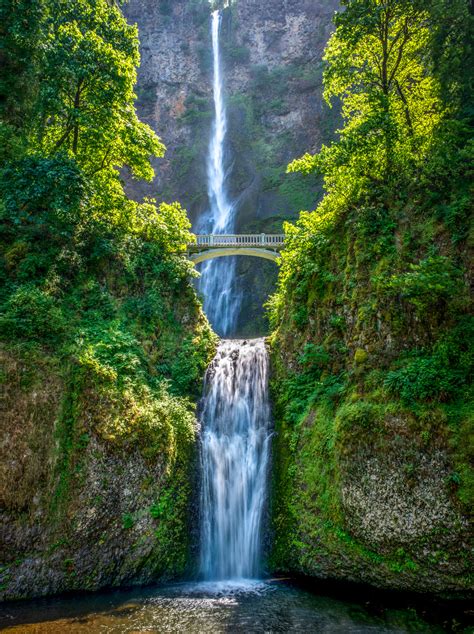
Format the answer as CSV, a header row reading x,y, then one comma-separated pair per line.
x,y
366,487
272,54
99,432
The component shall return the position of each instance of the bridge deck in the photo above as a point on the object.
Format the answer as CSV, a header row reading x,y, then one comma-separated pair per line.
x,y
243,240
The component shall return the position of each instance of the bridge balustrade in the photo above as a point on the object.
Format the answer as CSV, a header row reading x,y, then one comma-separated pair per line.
x,y
239,240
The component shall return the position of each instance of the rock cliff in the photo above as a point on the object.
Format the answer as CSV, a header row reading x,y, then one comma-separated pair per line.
x,y
79,511
98,428
272,54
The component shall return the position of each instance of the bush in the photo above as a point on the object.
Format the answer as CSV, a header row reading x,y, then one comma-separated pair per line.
x,y
111,347
314,358
31,314
421,379
439,375
428,284
43,193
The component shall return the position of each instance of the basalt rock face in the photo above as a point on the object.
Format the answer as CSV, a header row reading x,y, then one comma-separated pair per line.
x,y
79,510
372,465
272,55
99,438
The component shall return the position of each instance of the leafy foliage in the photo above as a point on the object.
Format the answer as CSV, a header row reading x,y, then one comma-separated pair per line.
x,y
430,282
89,278
376,278
20,49
32,314
441,375
43,195
384,174
85,102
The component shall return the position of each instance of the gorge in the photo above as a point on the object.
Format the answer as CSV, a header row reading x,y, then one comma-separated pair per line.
x,y
313,465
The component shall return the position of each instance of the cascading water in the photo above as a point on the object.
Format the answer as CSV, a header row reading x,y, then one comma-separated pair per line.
x,y
217,283
235,413
235,448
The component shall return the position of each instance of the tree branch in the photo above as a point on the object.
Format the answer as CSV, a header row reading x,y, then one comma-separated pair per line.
x,y
77,103
406,37
102,163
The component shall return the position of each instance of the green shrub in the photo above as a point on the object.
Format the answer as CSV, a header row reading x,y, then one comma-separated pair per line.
x,y
163,506
189,364
422,378
439,375
43,193
114,348
127,521
30,313
428,284
314,358
94,300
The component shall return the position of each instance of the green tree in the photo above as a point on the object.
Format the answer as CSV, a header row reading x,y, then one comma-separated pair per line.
x,y
85,105
400,71
20,50
377,65
77,119
63,208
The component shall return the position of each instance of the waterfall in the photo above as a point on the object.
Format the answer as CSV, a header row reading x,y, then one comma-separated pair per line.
x,y
217,283
235,413
235,448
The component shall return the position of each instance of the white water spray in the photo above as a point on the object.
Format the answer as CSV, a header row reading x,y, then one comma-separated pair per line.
x,y
235,448
217,283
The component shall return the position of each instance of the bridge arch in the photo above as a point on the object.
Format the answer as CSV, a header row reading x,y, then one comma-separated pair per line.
x,y
210,254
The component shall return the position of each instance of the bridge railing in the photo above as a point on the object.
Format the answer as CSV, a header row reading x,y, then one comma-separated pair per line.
x,y
240,240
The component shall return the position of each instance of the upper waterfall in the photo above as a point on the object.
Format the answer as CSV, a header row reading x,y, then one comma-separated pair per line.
x,y
222,210
217,284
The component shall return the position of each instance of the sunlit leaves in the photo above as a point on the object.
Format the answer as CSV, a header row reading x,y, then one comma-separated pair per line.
x,y
387,69
377,66
65,185
86,101
168,225
306,164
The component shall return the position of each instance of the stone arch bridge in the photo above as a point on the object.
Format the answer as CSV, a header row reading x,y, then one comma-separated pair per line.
x,y
260,245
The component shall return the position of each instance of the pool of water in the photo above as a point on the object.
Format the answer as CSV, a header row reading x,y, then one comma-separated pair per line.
x,y
247,607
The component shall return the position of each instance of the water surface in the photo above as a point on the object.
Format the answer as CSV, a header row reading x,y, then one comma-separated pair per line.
x,y
247,607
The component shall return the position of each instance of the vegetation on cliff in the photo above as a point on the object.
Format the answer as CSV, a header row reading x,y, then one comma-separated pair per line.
x,y
97,312
103,343
372,333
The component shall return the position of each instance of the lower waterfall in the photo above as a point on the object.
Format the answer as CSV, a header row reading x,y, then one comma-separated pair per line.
x,y
235,448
